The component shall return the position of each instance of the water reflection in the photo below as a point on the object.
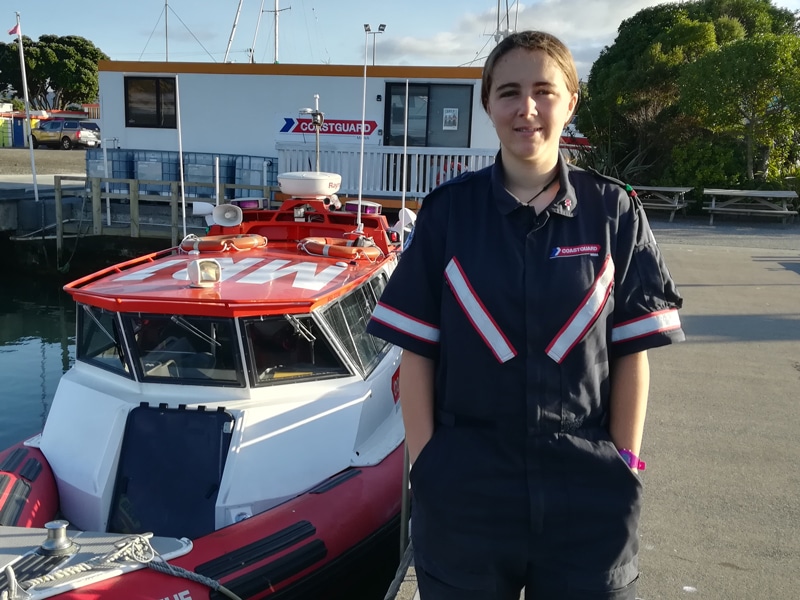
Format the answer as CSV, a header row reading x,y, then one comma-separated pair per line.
x,y
37,345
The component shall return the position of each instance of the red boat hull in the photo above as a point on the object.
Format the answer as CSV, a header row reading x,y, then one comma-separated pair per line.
x,y
276,554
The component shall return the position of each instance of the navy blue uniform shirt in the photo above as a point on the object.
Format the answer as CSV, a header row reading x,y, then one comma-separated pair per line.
x,y
523,313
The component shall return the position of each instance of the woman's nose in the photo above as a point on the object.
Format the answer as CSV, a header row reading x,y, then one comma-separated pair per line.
x,y
527,106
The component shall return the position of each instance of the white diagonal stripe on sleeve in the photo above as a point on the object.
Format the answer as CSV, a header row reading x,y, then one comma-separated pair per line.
x,y
658,322
405,323
585,315
477,314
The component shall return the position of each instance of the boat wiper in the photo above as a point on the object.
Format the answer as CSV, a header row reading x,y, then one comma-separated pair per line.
x,y
88,310
180,321
112,337
301,329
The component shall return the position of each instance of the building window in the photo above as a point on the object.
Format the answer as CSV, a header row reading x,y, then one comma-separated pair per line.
x,y
150,102
439,115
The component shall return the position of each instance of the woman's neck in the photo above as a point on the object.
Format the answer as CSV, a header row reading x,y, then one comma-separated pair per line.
x,y
524,178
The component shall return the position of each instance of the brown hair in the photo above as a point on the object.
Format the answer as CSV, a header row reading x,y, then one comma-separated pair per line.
x,y
531,41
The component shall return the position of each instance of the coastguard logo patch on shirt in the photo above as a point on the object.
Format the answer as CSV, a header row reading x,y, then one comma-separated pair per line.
x,y
568,251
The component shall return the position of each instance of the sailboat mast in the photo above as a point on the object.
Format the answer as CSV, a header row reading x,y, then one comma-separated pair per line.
x,y
233,31
166,30
255,35
277,12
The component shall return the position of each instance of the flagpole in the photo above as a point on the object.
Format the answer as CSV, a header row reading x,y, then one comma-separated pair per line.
x,y
27,107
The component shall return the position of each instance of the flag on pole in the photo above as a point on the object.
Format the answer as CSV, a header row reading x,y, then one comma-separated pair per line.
x,y
14,30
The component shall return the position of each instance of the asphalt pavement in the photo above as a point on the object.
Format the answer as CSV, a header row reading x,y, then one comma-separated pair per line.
x,y
721,518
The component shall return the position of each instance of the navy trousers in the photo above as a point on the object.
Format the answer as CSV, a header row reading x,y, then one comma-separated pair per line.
x,y
498,510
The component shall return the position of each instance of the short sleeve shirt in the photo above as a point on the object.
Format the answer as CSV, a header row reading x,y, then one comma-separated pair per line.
x,y
523,313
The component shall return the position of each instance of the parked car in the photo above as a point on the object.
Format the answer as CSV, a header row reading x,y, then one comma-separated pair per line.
x,y
64,134
91,125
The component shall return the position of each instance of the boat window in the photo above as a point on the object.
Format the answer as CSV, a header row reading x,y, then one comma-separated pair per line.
x,y
184,349
99,340
348,318
287,349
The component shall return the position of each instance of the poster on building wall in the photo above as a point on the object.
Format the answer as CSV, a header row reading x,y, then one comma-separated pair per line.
x,y
449,119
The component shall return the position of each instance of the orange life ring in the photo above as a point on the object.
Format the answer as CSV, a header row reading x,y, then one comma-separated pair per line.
x,y
223,243
339,248
449,170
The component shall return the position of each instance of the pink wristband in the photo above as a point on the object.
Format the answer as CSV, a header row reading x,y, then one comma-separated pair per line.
x,y
633,461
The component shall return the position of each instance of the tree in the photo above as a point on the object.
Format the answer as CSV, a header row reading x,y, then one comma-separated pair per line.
x,y
632,105
59,70
744,89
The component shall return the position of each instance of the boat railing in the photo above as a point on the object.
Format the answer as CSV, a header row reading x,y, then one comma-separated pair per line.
x,y
116,206
383,166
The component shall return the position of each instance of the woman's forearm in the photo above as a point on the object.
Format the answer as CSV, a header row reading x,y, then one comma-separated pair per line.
x,y
416,398
630,383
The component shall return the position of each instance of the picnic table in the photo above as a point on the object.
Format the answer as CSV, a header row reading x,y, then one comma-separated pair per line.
x,y
770,203
663,198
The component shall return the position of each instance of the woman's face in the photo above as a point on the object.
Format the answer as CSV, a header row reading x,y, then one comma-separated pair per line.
x,y
529,104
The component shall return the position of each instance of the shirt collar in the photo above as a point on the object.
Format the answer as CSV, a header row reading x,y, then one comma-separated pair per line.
x,y
564,203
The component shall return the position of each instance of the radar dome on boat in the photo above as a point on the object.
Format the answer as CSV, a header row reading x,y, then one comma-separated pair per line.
x,y
310,183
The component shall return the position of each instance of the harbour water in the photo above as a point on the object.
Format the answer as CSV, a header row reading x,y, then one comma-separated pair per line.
x,y
37,345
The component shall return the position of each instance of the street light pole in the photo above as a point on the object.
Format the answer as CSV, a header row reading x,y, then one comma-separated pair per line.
x,y
368,29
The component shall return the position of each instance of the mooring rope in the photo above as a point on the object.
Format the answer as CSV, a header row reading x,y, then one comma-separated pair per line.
x,y
136,548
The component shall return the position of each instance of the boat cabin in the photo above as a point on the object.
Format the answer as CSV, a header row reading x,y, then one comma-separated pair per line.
x,y
241,359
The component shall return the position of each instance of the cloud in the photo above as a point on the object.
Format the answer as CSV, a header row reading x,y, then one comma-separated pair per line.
x,y
586,28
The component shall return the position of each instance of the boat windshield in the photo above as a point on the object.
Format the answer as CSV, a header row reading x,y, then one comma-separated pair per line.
x,y
99,340
288,349
184,349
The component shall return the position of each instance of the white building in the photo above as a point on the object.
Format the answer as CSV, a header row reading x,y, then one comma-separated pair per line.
x,y
254,109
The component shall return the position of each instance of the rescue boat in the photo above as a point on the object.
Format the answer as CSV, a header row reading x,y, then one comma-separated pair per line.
x,y
228,429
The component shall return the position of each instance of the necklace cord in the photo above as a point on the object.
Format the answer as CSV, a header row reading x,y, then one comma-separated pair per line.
x,y
543,190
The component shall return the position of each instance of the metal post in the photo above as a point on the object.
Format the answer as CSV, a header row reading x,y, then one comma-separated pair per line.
x,y
317,125
28,114
59,218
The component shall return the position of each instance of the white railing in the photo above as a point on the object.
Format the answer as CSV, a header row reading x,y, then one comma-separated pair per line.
x,y
383,166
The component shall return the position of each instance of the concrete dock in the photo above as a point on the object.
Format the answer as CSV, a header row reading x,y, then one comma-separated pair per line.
x,y
721,518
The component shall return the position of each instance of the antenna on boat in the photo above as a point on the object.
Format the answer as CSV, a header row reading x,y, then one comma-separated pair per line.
x,y
360,225
317,119
405,162
180,152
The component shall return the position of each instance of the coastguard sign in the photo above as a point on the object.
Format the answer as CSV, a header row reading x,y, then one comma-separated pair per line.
x,y
331,127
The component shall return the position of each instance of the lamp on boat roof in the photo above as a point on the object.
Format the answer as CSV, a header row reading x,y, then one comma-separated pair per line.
x,y
204,272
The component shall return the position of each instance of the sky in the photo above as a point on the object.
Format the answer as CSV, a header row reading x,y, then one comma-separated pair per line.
x,y
418,32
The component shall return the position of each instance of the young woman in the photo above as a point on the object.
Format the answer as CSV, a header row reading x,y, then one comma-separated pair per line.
x,y
526,302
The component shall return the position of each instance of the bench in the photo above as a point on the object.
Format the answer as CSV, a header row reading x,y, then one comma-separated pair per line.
x,y
768,203
663,198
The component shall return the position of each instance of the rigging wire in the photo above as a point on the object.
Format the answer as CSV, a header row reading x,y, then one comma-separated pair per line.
x,y
308,31
150,37
327,59
192,34
151,33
